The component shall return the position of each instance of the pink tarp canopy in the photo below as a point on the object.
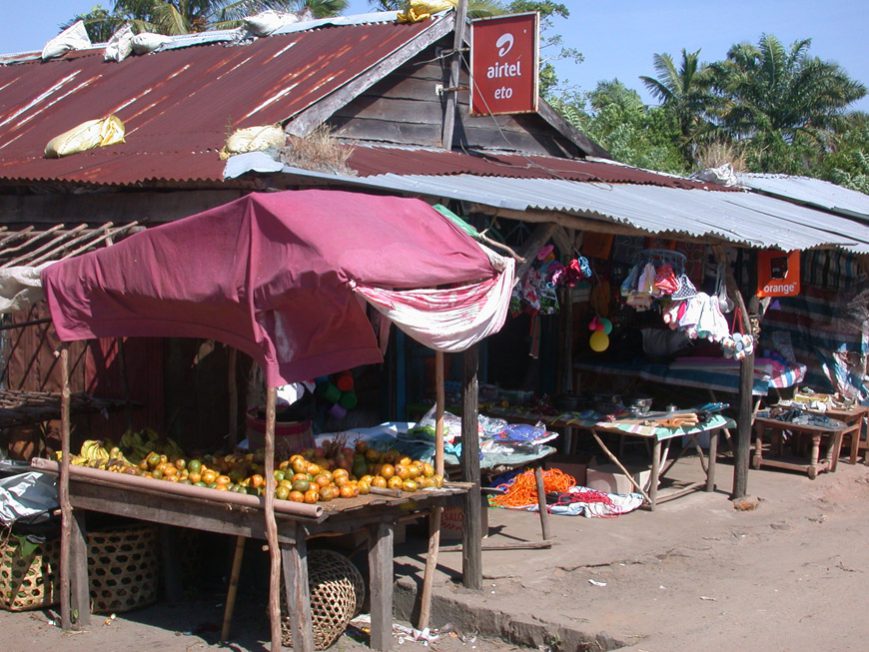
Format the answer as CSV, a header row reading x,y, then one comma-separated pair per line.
x,y
276,275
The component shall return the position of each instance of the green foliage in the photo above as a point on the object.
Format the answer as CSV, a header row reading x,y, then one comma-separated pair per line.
x,y
615,117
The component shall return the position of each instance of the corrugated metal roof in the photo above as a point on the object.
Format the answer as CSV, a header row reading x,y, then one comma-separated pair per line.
x,y
742,218
370,161
178,105
815,192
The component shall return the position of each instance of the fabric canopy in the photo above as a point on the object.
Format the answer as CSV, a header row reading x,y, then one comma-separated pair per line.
x,y
281,276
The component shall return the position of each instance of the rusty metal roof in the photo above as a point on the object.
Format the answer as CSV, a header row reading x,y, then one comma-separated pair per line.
x,y
371,161
179,105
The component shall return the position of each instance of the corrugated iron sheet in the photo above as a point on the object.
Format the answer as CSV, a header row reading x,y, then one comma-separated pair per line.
x,y
178,106
742,218
815,192
370,161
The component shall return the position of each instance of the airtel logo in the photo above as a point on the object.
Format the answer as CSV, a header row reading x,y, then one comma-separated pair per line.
x,y
504,44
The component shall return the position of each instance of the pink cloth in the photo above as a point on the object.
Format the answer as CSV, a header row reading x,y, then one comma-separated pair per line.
x,y
271,274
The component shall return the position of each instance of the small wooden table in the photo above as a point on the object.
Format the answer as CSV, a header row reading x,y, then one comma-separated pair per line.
x,y
853,419
661,438
777,428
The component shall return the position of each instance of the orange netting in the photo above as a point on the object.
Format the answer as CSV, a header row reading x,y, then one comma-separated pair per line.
x,y
523,491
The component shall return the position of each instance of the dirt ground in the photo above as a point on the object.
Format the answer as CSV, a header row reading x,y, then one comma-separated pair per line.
x,y
695,574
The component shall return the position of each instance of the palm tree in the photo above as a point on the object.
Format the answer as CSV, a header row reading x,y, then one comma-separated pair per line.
x,y
774,96
685,93
185,16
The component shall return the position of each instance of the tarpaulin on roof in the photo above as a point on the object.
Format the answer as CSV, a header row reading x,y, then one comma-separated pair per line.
x,y
272,274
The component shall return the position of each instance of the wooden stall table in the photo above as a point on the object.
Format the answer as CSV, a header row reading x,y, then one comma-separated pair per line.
x,y
777,429
209,510
852,417
660,438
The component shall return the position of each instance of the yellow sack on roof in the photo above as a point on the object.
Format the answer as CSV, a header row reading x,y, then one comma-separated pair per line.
x,y
87,135
417,10
253,139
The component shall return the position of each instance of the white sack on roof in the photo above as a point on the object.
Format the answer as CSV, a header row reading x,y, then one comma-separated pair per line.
x,y
20,287
266,22
723,175
88,135
451,319
74,37
254,139
147,42
120,46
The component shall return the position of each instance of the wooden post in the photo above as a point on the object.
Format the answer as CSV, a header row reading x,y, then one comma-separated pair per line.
x,y
271,524
745,412
455,69
295,559
80,595
541,502
232,591
472,552
380,550
63,491
434,526
232,380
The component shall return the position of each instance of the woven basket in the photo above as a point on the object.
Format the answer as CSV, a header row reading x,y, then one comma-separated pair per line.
x,y
336,589
29,581
123,568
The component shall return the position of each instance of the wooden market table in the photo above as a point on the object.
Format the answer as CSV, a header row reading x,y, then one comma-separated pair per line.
x,y
777,428
240,515
853,418
661,437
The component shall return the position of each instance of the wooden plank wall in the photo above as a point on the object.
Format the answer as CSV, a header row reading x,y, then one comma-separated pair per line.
x,y
405,109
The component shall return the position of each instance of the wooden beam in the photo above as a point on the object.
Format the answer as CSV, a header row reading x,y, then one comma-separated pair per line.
x,y
455,70
380,567
306,121
271,524
539,237
562,126
63,491
745,413
472,557
80,596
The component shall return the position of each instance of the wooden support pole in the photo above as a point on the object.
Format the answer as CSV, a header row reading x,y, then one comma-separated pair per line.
x,y
472,553
380,567
745,412
541,502
434,527
455,69
63,491
232,591
271,525
80,595
232,380
295,560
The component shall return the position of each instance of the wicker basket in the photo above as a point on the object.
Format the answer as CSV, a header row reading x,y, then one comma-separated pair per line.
x,y
337,590
28,581
123,568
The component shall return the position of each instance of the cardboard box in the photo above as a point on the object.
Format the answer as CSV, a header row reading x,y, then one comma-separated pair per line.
x,y
572,465
453,521
610,479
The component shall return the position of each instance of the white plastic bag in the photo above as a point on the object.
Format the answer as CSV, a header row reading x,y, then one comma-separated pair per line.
x,y
87,135
268,21
120,46
74,37
254,139
147,42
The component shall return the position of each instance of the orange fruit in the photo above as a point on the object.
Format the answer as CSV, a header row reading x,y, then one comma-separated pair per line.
x,y
209,476
378,481
415,470
410,486
322,480
402,471
347,491
387,471
364,487
312,496
313,469
395,482
194,477
297,496
282,493
257,481
428,470
169,471
405,461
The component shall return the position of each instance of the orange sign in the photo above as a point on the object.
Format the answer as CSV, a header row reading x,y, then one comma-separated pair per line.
x,y
504,63
778,273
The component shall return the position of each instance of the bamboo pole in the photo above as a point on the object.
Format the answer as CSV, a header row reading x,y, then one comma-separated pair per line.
x,y
63,492
271,524
455,70
232,591
434,528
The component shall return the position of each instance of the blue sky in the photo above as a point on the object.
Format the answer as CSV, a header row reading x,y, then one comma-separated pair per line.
x,y
617,38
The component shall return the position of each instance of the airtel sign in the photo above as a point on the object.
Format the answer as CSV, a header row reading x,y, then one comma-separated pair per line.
x,y
504,62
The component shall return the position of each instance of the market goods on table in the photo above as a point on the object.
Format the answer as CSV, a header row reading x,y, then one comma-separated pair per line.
x,y
332,470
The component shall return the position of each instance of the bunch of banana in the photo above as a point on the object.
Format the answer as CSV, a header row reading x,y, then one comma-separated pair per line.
x,y
138,445
95,454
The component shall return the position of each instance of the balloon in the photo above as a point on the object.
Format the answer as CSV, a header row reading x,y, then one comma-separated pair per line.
x,y
332,393
607,325
345,382
348,400
337,411
593,325
599,341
